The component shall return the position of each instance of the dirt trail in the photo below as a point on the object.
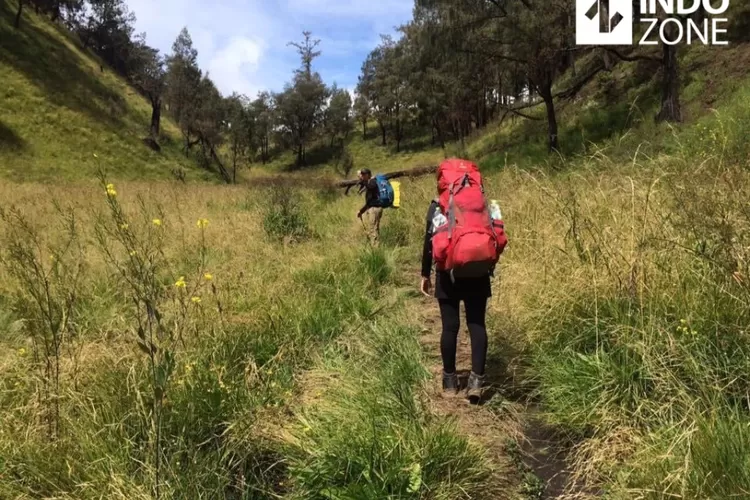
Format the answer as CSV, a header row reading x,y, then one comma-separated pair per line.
x,y
528,459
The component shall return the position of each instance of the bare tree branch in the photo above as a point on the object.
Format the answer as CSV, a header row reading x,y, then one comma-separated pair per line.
x,y
634,58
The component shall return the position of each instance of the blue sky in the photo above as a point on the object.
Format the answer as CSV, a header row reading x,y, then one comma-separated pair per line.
x,y
243,43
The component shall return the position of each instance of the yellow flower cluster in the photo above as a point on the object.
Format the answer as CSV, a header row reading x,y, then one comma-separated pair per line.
x,y
196,300
202,223
181,282
111,190
683,328
208,276
156,222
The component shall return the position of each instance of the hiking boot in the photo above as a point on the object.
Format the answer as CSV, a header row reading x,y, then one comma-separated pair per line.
x,y
475,387
450,383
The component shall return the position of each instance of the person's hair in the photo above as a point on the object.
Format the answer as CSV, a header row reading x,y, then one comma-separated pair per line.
x,y
365,171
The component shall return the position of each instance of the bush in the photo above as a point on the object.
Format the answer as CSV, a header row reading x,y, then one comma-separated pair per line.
x,y
285,217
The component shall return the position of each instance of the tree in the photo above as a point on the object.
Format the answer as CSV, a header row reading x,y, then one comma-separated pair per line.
x,y
338,114
108,29
299,107
19,12
367,89
521,32
263,111
362,113
307,53
183,79
208,125
240,129
149,77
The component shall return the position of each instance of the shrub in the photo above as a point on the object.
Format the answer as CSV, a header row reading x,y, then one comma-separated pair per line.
x,y
285,217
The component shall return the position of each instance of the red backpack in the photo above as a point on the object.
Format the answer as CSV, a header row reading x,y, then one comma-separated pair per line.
x,y
470,244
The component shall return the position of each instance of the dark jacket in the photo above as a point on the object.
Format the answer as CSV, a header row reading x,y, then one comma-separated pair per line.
x,y
372,195
445,288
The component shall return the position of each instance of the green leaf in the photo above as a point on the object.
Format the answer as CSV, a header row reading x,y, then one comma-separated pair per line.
x,y
415,478
144,347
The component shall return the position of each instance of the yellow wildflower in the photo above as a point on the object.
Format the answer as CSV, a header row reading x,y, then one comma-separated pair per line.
x,y
22,352
181,282
156,222
202,223
196,300
133,253
124,227
208,276
111,190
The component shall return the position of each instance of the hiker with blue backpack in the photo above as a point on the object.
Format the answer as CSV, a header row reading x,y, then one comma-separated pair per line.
x,y
379,194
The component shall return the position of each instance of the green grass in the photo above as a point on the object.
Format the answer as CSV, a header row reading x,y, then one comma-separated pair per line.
x,y
58,109
243,372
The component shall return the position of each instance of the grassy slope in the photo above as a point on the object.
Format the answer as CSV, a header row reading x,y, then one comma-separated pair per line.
x,y
58,109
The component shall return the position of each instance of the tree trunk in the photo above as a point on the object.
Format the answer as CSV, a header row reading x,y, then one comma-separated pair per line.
x,y
234,163
155,118
670,100
549,101
364,130
440,135
383,131
17,24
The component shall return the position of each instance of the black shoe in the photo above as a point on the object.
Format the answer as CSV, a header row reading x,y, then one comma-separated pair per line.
x,y
475,388
450,383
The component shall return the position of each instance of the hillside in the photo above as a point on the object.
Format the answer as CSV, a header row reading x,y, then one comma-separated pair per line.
x,y
59,108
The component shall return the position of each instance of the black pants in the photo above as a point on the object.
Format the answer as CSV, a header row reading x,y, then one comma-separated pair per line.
x,y
476,309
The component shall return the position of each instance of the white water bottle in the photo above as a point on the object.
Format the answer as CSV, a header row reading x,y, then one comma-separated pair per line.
x,y
438,220
495,212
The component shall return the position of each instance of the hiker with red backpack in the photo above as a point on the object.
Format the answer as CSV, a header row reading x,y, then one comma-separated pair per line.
x,y
464,237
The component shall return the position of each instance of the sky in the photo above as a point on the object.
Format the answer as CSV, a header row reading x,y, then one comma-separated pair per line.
x,y
242,44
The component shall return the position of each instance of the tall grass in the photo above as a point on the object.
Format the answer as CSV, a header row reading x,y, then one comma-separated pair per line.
x,y
627,292
195,333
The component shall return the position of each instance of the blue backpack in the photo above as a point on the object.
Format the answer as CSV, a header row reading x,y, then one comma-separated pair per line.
x,y
385,190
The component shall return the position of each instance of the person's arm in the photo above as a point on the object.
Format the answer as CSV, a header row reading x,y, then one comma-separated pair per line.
x,y
427,245
371,195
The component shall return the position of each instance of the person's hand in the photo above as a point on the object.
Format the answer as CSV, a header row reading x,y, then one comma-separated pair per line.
x,y
425,286
359,215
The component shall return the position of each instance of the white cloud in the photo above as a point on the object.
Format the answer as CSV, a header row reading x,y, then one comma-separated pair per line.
x,y
233,66
243,43
364,9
